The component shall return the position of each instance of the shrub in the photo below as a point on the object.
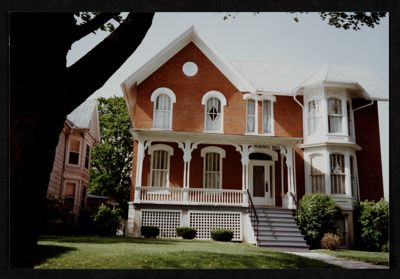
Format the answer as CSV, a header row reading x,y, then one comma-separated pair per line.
x,y
374,224
385,247
149,231
186,232
316,216
52,216
221,235
330,241
107,220
85,223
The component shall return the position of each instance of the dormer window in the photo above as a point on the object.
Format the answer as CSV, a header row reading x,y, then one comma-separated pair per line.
x,y
214,102
163,99
335,115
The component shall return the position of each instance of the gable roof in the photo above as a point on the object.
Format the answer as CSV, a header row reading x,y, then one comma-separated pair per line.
x,y
81,116
190,35
290,78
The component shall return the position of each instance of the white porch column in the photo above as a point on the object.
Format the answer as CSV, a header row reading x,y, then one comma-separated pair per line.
x,y
244,152
142,145
288,152
187,148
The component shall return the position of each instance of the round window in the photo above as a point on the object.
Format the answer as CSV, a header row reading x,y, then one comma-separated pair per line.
x,y
190,69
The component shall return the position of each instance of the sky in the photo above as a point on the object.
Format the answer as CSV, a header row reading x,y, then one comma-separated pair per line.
x,y
267,37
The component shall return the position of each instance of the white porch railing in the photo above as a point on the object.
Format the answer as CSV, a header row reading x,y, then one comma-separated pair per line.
x,y
191,196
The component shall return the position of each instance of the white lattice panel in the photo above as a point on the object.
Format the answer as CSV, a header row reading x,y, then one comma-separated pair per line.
x,y
204,222
166,221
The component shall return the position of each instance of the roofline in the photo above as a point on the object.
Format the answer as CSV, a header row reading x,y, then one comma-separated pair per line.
x,y
190,35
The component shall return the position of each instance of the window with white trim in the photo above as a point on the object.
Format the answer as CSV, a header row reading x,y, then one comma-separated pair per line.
x,y
212,167
314,116
251,116
335,115
214,103
317,177
349,120
160,165
353,178
337,173
267,116
74,152
163,99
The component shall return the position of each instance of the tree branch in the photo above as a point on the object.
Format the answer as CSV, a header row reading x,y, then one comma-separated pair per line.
x,y
92,25
91,71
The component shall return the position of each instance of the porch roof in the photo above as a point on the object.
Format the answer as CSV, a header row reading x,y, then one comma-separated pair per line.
x,y
212,138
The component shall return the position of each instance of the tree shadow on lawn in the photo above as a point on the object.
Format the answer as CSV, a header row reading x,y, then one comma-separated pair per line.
x,y
109,240
44,252
208,260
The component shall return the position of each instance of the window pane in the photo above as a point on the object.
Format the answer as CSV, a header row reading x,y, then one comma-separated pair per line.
x,y
212,170
73,158
75,145
159,168
213,114
267,116
162,113
337,174
317,175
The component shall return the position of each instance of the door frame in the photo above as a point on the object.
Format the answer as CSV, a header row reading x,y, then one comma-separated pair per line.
x,y
266,200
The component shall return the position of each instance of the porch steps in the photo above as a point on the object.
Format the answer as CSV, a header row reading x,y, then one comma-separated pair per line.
x,y
278,229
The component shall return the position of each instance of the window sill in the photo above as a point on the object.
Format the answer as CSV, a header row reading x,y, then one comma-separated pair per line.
x,y
161,129
213,132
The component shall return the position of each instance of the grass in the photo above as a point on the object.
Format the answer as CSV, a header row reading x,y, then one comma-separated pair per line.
x,y
122,252
379,258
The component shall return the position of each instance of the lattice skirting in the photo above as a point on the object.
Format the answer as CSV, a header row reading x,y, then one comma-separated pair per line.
x,y
205,221
166,221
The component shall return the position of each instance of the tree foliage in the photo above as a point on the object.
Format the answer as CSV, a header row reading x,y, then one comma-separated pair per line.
x,y
111,162
316,216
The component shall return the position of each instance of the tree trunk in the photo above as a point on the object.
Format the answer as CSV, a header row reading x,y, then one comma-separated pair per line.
x,y
40,99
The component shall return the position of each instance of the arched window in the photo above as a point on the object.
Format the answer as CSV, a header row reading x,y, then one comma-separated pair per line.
x,y
335,115
214,102
163,99
314,117
160,164
337,174
212,167
317,177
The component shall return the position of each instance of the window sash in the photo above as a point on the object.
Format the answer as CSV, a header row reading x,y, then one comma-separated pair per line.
x,y
87,156
317,176
163,110
314,116
213,114
338,175
212,170
159,168
335,115
267,116
251,116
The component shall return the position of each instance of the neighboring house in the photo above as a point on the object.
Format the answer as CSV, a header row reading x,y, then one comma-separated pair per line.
x,y
213,136
69,178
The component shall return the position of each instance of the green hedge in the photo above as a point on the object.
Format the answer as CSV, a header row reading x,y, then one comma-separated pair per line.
x,y
149,231
186,232
221,235
316,215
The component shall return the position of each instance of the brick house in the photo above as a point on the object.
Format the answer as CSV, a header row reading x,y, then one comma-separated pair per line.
x,y
217,142
69,178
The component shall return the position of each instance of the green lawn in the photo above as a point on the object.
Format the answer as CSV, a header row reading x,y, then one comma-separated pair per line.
x,y
363,256
124,252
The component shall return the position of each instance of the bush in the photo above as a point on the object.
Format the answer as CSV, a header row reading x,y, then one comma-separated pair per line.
x,y
385,247
107,220
330,241
186,232
221,235
85,223
316,216
149,231
374,224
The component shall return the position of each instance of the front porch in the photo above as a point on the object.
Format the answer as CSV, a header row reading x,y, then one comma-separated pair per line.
x,y
213,169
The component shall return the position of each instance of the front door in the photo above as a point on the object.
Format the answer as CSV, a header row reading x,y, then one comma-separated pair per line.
x,y
261,182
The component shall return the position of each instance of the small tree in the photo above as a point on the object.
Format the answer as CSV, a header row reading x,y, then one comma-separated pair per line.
x,y
374,224
316,216
107,220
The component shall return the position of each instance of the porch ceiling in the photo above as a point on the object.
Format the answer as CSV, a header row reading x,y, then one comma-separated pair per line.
x,y
212,138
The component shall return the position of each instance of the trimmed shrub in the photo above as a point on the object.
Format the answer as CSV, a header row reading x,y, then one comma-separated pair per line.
x,y
149,231
186,232
221,235
330,241
316,215
374,224
107,220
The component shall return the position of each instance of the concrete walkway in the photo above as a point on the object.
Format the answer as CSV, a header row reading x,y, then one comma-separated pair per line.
x,y
344,263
